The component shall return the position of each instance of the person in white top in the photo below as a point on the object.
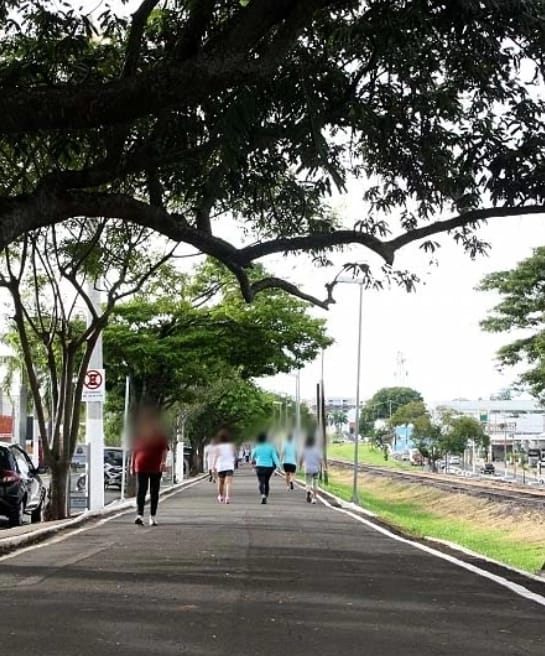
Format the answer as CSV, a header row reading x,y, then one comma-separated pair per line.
x,y
224,465
313,463
209,454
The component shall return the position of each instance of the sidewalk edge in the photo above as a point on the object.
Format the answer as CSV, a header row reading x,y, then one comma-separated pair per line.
x,y
44,532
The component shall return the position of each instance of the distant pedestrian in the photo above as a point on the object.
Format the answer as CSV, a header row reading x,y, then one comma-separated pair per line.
x,y
224,465
313,463
209,454
289,460
148,462
265,459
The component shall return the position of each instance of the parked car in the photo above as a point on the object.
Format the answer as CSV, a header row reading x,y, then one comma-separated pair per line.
x,y
22,491
488,469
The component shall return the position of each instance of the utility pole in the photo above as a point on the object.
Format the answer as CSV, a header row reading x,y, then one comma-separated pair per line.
x,y
94,428
298,405
355,496
323,421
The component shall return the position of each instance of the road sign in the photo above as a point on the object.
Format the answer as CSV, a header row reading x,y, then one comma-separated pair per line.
x,y
94,385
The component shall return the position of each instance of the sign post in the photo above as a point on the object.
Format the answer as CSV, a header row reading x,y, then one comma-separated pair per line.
x,y
93,395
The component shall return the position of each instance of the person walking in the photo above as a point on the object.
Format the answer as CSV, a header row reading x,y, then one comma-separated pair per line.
x,y
289,460
265,460
148,462
209,455
313,463
224,465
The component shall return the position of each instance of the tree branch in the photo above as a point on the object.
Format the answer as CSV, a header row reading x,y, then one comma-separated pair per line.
x,y
134,42
469,218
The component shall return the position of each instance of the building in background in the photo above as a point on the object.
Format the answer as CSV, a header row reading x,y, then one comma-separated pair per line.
x,y
512,424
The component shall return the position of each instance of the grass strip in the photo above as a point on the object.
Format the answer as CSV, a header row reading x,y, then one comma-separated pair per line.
x,y
416,520
367,455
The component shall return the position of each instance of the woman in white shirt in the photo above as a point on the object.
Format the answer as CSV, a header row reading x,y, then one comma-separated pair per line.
x,y
224,465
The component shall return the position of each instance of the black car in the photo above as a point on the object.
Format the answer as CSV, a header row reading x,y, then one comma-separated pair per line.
x,y
488,469
21,488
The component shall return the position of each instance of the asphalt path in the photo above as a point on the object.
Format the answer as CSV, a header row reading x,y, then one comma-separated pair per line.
x,y
247,579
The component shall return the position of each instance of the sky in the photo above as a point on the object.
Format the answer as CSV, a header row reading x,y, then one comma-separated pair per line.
x,y
436,328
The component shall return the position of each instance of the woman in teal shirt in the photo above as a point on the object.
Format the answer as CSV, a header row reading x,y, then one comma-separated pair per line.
x,y
265,460
289,460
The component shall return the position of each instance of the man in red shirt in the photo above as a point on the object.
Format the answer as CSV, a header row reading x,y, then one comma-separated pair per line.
x,y
148,463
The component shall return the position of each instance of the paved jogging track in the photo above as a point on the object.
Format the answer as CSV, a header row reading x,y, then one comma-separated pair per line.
x,y
246,579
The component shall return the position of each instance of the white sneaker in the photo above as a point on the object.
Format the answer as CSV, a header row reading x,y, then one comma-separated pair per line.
x,y
139,521
313,501
220,498
152,521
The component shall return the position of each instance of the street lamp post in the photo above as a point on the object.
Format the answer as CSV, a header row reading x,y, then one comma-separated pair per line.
x,y
355,495
298,404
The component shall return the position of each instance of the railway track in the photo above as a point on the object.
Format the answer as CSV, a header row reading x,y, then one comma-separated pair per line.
x,y
497,492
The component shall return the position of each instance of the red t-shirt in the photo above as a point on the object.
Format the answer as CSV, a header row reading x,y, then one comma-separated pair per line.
x,y
148,454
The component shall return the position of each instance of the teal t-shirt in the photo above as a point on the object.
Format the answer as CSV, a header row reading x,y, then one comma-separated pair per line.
x,y
289,453
264,455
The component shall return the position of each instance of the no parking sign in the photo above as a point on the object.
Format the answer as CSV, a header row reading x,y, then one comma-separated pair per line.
x,y
94,385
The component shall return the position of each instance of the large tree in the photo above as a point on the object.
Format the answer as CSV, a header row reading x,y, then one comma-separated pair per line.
x,y
191,111
384,402
52,276
521,310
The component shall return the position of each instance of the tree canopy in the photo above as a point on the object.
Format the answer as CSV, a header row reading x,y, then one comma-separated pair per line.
x,y
387,400
408,413
187,112
521,310
183,333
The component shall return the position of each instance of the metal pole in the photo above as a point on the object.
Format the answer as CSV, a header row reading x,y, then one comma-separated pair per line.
x,y
505,452
323,416
298,405
125,436
355,496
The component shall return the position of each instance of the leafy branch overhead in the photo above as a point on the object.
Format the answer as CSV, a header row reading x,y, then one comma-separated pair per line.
x,y
521,310
191,111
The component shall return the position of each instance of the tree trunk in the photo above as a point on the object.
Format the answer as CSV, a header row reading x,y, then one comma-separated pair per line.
x,y
197,458
57,504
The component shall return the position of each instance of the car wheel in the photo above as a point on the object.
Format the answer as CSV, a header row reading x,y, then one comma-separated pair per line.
x,y
17,515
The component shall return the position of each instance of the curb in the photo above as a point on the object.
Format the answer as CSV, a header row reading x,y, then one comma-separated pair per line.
x,y
44,532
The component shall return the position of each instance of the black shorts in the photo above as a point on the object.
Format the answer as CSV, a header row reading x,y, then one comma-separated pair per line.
x,y
224,474
289,469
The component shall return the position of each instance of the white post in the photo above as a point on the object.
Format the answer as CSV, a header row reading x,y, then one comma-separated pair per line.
x,y
125,436
473,456
179,459
20,418
94,428
298,405
36,443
